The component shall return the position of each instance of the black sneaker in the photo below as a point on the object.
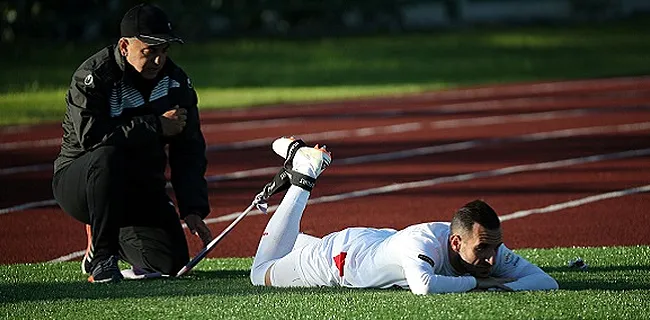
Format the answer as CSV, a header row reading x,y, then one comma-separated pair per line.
x,y
106,271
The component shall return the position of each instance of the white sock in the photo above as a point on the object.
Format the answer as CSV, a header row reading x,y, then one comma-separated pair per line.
x,y
282,230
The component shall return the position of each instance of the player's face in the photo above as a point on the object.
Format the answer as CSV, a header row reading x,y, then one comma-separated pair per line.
x,y
146,59
478,250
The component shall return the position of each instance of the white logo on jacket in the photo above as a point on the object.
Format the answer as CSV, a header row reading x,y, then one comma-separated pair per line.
x,y
88,80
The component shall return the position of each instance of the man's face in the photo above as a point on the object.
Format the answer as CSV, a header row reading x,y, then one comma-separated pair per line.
x,y
477,250
146,59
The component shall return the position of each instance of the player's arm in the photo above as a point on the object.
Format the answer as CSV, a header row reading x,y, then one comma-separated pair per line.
x,y
528,276
422,280
88,110
419,255
188,161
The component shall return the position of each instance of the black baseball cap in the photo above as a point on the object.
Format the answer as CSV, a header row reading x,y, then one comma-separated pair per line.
x,y
149,24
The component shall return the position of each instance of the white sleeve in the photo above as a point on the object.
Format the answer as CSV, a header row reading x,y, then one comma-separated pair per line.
x,y
422,280
418,260
529,276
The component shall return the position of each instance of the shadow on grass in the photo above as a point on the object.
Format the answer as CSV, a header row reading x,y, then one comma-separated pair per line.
x,y
609,285
598,269
236,283
214,283
215,274
221,283
610,278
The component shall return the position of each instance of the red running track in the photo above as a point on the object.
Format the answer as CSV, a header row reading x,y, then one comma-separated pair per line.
x,y
436,150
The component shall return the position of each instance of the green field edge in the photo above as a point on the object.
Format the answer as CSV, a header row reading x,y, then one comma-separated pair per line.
x,y
239,73
35,107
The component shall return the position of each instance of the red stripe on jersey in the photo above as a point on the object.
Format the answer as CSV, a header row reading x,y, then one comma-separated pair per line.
x,y
340,262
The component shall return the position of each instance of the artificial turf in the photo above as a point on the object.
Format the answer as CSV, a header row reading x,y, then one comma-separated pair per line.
x,y
616,285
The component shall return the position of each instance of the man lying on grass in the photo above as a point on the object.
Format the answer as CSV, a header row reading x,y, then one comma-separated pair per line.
x,y
435,257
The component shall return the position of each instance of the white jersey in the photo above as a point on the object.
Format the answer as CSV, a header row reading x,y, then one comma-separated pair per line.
x,y
414,258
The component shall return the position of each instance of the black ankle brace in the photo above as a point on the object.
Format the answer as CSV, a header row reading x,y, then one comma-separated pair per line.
x,y
302,181
297,179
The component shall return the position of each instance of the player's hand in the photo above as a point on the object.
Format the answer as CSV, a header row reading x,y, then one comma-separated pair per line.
x,y
173,121
198,228
491,282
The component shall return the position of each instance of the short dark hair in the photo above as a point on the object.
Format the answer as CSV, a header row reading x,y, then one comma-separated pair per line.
x,y
476,211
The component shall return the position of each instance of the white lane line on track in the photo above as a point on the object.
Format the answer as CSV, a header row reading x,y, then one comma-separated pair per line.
x,y
531,89
464,93
369,131
510,105
465,145
486,121
247,125
445,109
361,132
575,203
29,205
460,178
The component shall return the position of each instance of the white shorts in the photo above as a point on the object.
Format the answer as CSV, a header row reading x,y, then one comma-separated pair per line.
x,y
321,262
346,258
287,271
307,265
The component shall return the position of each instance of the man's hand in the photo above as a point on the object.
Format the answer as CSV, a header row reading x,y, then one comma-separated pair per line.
x,y
173,121
198,228
491,282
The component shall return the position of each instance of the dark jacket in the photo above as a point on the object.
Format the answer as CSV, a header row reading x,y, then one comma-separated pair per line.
x,y
104,108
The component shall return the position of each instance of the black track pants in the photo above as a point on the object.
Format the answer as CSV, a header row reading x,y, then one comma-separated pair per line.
x,y
129,213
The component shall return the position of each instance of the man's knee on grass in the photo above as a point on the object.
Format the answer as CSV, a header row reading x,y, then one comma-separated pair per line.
x,y
261,274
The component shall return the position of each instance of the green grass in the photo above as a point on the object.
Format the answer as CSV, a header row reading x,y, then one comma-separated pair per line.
x,y
235,73
616,285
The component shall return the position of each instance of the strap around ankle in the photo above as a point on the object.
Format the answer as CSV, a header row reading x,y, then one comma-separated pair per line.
x,y
302,181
